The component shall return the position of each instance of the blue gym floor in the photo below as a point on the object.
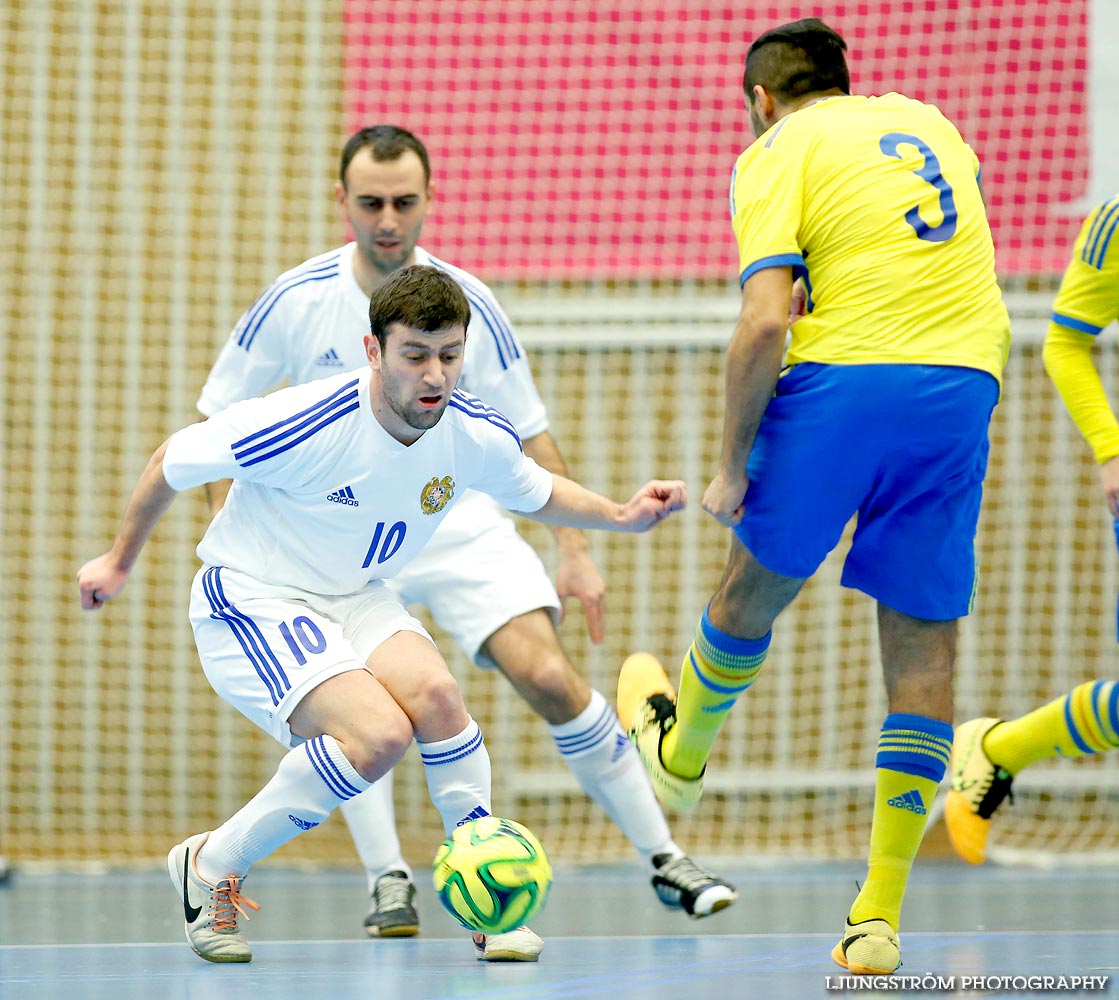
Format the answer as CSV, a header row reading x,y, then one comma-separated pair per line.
x,y
120,936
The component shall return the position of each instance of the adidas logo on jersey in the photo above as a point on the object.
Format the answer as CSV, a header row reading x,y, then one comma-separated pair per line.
x,y
911,801
303,824
344,496
330,359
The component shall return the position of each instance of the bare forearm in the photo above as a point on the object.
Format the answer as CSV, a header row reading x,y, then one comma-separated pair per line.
x,y
577,507
148,503
574,507
542,449
753,363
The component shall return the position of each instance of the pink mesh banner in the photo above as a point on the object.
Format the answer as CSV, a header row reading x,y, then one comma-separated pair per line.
x,y
594,140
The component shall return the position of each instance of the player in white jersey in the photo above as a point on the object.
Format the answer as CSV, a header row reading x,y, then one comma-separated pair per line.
x,y
293,622
482,582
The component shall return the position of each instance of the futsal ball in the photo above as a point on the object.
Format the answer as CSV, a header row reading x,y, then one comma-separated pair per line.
x,y
492,875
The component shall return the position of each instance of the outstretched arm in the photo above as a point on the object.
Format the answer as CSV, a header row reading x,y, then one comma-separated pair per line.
x,y
101,579
576,574
577,507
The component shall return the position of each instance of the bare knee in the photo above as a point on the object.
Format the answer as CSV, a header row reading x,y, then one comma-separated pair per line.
x,y
378,745
439,699
370,728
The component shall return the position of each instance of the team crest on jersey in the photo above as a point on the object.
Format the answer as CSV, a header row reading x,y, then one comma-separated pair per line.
x,y
437,494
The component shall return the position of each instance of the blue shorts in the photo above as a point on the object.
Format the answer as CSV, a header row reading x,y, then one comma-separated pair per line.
x,y
904,447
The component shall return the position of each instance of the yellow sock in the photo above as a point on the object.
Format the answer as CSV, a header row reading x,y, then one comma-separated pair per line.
x,y
717,669
1084,721
901,806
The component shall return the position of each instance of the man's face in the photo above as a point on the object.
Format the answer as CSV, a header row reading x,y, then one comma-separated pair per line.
x,y
385,203
419,371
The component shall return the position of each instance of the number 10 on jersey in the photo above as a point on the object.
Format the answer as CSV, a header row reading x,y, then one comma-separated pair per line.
x,y
385,543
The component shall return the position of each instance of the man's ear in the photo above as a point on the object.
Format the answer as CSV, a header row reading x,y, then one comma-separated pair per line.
x,y
373,351
763,100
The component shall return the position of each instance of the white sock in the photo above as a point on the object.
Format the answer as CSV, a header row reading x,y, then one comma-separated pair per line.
x,y
371,818
606,764
458,776
309,783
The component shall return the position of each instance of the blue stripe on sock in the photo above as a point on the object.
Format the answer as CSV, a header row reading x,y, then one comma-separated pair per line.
x,y
1113,708
592,736
711,685
450,756
896,752
1072,730
729,643
330,773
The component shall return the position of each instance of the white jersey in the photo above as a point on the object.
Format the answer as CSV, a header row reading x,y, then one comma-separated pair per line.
x,y
325,499
311,322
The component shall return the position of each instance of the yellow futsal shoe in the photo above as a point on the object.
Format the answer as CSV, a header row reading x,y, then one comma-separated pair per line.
x,y
978,788
868,948
647,708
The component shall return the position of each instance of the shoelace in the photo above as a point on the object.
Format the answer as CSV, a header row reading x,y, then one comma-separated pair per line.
x,y
392,893
227,904
686,874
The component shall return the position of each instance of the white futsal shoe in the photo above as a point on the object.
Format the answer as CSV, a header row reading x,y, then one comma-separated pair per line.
x,y
210,911
520,945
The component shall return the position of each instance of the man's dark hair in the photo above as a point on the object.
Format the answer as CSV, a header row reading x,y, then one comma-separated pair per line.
x,y
385,142
418,297
795,59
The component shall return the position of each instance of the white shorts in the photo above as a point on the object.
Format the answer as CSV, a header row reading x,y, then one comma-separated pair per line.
x,y
264,647
474,582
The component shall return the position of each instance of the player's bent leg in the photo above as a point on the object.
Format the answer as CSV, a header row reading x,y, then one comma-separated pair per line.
x,y
593,745
456,763
988,753
675,735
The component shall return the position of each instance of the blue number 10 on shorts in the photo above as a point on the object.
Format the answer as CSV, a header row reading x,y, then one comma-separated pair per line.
x,y
902,446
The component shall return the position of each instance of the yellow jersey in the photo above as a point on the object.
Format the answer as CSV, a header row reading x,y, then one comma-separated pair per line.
x,y
875,202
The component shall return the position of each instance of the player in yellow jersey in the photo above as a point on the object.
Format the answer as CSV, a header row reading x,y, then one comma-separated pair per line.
x,y
870,208
988,753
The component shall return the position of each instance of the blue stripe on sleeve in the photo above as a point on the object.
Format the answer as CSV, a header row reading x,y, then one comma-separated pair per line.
x,y
1075,324
1102,255
491,416
793,260
1104,215
281,436
259,310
